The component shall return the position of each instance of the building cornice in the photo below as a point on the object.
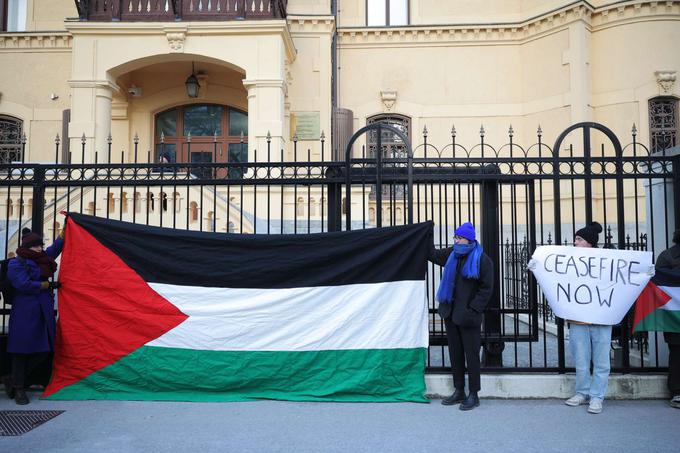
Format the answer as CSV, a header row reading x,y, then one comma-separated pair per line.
x,y
35,42
595,18
311,24
188,29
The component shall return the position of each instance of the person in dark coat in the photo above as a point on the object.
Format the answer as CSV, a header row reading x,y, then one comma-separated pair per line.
x,y
670,259
464,292
31,322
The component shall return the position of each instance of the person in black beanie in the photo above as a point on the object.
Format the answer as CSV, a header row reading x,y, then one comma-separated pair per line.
x,y
31,321
589,342
669,259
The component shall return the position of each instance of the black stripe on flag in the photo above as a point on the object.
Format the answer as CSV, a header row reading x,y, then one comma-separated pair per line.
x,y
666,277
192,258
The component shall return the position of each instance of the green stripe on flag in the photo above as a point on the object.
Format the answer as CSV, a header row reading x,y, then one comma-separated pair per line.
x,y
172,374
660,320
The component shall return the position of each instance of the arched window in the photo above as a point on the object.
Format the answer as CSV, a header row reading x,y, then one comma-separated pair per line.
x,y
663,123
300,207
124,202
138,202
176,199
164,201
312,206
112,203
193,212
231,228
11,130
392,145
150,202
211,219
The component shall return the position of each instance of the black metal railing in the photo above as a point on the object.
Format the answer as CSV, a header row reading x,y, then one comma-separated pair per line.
x,y
519,197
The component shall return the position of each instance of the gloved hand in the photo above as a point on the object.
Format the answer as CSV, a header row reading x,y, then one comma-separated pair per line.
x,y
533,263
50,285
651,271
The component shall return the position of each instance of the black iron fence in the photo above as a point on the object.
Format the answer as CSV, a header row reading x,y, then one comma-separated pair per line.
x,y
519,197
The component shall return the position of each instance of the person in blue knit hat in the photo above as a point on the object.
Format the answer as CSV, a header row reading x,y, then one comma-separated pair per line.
x,y
464,291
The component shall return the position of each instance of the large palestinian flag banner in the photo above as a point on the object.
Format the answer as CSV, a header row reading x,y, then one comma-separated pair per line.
x,y
658,307
148,313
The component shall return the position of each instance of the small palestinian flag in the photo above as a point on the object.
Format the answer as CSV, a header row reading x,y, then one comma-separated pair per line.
x,y
658,307
148,313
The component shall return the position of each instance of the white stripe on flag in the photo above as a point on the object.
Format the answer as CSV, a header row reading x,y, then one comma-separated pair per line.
x,y
674,303
362,316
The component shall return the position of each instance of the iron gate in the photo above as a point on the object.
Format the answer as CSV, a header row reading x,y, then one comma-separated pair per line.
x,y
519,197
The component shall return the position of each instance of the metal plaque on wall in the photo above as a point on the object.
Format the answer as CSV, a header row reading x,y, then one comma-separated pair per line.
x,y
307,125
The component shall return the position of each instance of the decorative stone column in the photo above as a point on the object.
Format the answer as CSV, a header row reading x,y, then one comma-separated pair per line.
x,y
266,117
90,118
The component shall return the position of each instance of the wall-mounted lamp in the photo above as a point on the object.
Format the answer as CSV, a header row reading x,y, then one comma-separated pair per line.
x,y
192,84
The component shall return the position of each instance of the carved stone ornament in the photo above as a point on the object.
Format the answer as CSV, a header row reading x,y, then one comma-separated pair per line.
x,y
388,98
176,41
666,80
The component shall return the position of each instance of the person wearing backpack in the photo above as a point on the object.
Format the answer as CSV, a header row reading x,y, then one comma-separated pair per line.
x,y
31,323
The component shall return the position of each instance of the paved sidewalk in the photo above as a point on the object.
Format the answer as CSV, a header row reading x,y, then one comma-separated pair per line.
x,y
278,426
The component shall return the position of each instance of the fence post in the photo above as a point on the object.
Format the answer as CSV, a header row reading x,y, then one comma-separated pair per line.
x,y
676,190
492,354
334,206
38,213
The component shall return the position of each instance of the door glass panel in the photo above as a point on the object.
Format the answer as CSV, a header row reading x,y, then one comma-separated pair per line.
x,y
238,122
166,122
200,157
238,152
166,153
203,120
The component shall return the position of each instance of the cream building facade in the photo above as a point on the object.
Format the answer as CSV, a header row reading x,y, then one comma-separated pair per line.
x,y
277,76
438,64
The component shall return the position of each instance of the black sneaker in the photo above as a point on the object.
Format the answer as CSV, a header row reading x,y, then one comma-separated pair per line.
x,y
470,402
20,397
457,398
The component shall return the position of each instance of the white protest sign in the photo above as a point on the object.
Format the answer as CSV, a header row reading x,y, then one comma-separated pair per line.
x,y
590,285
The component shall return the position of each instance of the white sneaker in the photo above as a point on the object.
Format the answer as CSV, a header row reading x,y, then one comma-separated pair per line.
x,y
576,400
595,406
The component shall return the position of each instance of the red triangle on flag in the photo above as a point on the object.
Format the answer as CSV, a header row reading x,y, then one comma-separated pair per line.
x,y
651,298
106,310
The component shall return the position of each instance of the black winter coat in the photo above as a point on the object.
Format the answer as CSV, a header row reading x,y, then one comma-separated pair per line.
x,y
471,296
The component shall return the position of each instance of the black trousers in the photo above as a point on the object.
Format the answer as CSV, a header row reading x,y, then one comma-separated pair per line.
x,y
673,340
23,365
464,346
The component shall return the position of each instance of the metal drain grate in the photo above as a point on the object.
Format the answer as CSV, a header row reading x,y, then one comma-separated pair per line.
x,y
16,423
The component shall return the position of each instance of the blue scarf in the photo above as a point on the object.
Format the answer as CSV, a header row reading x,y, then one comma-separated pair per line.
x,y
470,269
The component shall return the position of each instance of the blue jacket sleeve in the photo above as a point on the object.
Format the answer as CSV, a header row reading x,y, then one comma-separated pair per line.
x,y
18,275
54,250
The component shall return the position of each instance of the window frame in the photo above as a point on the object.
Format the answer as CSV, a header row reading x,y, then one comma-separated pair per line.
x,y
652,130
179,140
387,14
17,147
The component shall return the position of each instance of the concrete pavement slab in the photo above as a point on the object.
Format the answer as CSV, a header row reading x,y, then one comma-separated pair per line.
x,y
279,426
